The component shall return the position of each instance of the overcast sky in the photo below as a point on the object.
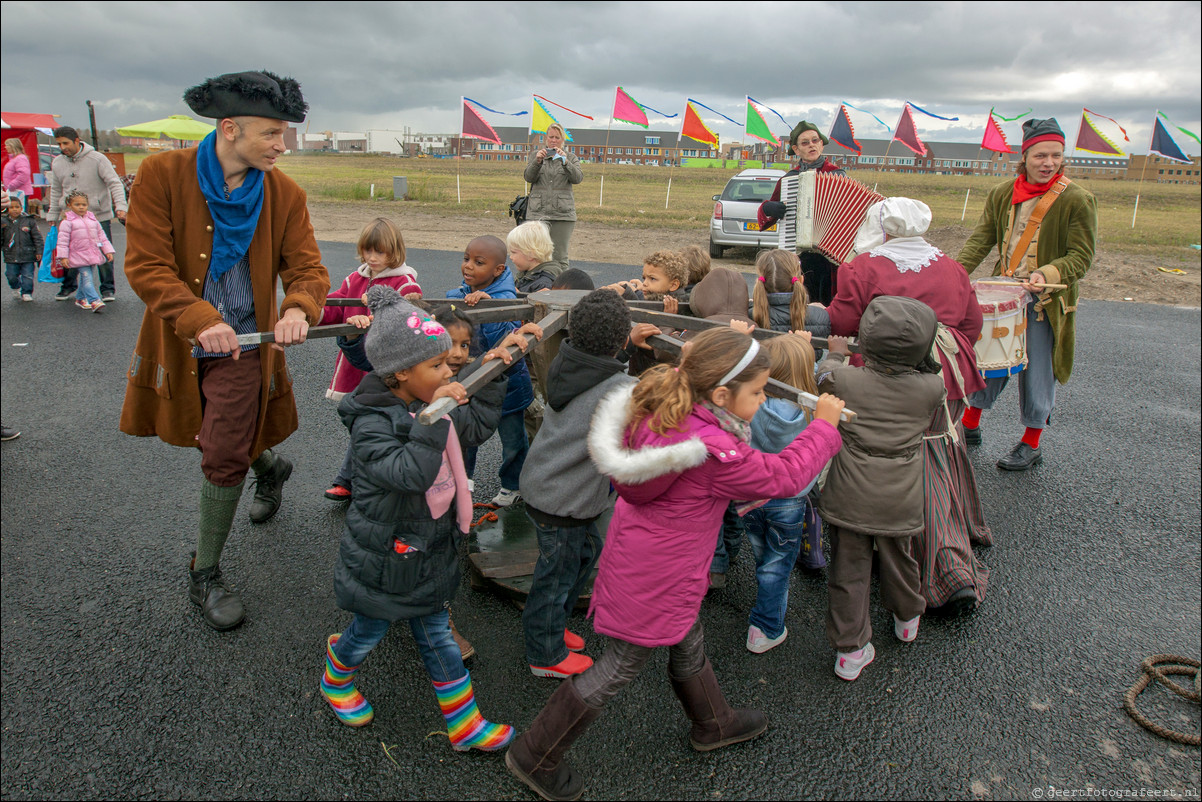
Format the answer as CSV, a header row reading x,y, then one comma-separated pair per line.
x,y
392,65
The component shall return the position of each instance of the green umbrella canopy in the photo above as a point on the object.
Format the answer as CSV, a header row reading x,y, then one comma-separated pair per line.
x,y
177,126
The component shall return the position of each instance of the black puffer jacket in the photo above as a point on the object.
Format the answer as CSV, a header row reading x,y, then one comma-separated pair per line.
x,y
22,239
395,460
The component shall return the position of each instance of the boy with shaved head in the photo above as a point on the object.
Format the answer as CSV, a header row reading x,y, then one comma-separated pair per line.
x,y
485,275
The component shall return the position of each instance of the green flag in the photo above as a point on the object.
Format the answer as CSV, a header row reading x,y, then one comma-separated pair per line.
x,y
757,126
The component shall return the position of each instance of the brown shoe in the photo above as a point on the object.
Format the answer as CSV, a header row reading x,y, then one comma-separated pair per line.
x,y
536,757
466,649
715,723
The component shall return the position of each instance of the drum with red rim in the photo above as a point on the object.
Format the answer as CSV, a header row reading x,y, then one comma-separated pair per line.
x,y
1002,347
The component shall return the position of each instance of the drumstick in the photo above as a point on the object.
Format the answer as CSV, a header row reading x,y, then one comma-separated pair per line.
x,y
1019,284
774,388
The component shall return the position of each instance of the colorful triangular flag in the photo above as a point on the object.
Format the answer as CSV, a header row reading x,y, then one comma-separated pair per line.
x,y
1188,133
475,126
994,139
1162,143
843,132
540,118
757,126
907,133
1091,140
694,128
629,110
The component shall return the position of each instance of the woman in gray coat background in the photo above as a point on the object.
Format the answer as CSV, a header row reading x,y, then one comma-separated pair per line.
x,y
551,173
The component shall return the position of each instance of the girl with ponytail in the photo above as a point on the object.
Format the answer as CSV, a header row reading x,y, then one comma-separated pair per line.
x,y
676,449
779,300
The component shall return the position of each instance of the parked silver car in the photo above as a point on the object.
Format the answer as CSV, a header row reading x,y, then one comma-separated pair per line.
x,y
734,222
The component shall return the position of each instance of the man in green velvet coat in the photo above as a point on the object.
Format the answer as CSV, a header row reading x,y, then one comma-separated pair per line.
x,y
1045,228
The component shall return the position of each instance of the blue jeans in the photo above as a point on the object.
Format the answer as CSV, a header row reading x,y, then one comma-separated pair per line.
x,y
566,558
432,633
20,276
514,446
776,532
728,544
87,284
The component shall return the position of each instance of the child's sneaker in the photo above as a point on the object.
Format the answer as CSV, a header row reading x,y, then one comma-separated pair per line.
x,y
82,304
906,631
27,298
16,293
339,493
759,643
572,664
574,642
848,665
97,306
506,498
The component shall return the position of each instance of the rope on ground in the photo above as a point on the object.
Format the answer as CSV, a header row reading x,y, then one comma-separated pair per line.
x,y
488,516
1156,667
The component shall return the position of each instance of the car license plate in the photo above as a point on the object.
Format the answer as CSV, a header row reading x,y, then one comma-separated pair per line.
x,y
756,227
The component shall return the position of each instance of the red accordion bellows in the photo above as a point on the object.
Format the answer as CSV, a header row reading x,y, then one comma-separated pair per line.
x,y
825,212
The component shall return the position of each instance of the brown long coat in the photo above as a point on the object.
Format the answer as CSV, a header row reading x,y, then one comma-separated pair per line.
x,y
169,236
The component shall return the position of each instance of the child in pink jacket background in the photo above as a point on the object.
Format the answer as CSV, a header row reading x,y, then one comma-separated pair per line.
x,y
382,249
676,449
83,246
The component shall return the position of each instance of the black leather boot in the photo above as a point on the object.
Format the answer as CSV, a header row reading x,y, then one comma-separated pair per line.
x,y
536,757
269,490
221,606
715,723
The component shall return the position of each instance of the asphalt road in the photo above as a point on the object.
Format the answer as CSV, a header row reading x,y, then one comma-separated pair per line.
x,y
112,686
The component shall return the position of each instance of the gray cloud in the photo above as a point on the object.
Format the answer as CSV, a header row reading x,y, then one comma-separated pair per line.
x,y
406,64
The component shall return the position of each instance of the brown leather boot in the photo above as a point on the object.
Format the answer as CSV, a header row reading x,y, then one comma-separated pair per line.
x,y
466,649
715,723
536,757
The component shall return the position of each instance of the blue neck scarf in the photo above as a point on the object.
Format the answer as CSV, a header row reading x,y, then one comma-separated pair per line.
x,y
234,220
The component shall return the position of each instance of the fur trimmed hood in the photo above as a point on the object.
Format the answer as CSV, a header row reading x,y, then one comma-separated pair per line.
x,y
634,466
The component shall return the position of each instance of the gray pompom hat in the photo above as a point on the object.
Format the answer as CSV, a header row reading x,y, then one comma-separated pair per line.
x,y
248,94
401,335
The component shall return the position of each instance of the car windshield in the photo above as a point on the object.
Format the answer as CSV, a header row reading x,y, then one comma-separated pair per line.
x,y
751,190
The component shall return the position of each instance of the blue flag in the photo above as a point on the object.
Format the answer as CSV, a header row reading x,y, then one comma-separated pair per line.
x,y
843,133
1163,144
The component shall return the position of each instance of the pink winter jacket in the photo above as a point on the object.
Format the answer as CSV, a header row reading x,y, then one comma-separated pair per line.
x,y
403,279
81,240
672,492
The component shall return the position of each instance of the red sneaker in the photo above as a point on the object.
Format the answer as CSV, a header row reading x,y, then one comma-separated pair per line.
x,y
338,493
573,664
574,642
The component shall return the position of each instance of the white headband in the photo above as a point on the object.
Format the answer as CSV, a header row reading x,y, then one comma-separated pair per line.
x,y
752,350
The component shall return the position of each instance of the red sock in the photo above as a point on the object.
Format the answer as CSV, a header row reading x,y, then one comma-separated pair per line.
x,y
972,417
1031,437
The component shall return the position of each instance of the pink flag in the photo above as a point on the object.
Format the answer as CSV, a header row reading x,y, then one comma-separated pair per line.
x,y
629,110
907,133
994,139
476,127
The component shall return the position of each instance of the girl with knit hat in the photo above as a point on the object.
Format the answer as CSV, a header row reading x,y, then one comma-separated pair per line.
x,y
411,476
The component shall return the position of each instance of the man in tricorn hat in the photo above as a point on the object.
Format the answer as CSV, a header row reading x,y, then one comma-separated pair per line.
x,y
1046,228
209,230
806,142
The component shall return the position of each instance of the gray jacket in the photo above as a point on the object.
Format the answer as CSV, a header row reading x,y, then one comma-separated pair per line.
x,y
875,482
559,479
551,187
91,173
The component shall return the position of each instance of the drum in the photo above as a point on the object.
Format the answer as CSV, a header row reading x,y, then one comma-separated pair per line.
x,y
1002,347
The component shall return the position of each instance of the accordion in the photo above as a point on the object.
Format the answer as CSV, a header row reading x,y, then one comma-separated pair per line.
x,y
824,213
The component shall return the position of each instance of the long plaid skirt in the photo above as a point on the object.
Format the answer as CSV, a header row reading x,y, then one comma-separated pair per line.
x,y
952,513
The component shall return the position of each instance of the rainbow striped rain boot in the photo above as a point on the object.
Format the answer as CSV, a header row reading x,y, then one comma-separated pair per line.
x,y
466,728
338,687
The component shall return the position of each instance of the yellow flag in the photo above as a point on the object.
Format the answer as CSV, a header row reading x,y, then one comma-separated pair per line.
x,y
540,118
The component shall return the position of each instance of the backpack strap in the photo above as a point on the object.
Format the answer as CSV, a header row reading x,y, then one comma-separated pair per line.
x,y
1037,215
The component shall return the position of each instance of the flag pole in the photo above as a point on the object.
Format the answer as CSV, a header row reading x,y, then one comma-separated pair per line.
x,y
1147,159
1080,124
459,154
605,154
885,161
672,166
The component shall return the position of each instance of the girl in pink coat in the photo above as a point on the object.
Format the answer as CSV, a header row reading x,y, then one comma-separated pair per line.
x,y
83,246
382,249
675,448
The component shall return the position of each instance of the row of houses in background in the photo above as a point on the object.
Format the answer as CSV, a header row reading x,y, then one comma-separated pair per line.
x,y
668,147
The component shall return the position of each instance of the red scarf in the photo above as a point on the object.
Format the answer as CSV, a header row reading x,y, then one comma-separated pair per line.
x,y
1024,190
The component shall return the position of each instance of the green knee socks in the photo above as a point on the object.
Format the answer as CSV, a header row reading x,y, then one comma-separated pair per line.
x,y
263,463
217,508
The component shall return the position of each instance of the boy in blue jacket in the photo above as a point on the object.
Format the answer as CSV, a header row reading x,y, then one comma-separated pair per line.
x,y
485,275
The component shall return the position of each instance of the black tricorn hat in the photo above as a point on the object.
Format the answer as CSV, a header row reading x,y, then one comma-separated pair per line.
x,y
248,94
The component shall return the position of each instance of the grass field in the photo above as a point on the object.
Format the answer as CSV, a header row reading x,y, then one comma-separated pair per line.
x,y
1170,216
